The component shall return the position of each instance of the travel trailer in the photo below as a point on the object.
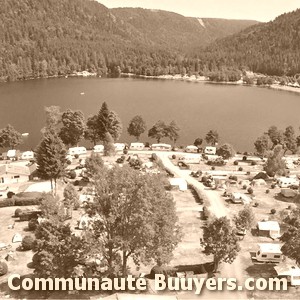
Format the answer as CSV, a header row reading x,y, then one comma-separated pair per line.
x,y
77,150
137,146
98,149
163,147
240,198
119,146
191,158
27,155
210,150
285,182
268,252
191,149
290,272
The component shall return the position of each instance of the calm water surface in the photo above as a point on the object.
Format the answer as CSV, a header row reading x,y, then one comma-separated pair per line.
x,y
240,114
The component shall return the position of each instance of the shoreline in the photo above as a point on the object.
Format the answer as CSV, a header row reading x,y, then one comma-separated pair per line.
x,y
203,79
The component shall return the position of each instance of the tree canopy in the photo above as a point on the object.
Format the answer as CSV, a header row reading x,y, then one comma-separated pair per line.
x,y
10,137
137,217
220,240
73,127
226,151
136,127
212,137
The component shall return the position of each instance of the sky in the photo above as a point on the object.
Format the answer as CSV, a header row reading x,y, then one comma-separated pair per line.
x,y
260,10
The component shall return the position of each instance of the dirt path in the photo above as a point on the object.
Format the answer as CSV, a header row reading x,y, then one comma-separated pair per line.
x,y
218,208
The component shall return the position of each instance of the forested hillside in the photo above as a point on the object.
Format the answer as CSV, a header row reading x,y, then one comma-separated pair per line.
x,y
271,48
40,38
176,32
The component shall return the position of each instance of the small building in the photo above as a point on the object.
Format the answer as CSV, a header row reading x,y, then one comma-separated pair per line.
x,y
179,183
137,146
10,173
27,155
210,150
191,149
119,146
161,147
268,252
98,149
77,150
288,271
269,229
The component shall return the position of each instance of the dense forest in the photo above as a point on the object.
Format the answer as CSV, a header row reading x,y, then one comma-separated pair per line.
x,y
41,38
271,48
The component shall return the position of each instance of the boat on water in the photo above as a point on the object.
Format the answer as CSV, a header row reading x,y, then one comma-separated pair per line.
x,y
82,93
25,134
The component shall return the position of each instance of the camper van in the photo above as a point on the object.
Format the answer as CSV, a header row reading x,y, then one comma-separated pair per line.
x,y
191,149
137,146
27,155
119,146
269,252
285,182
209,150
161,147
98,149
77,150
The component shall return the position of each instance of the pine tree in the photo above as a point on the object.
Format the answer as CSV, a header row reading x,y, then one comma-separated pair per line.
x,y
51,158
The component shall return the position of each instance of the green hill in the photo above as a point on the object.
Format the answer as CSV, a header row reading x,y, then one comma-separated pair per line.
x,y
270,48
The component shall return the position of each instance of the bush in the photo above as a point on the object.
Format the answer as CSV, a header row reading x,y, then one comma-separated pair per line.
x,y
7,202
233,177
68,162
213,168
147,145
76,156
256,204
253,163
173,156
273,185
267,191
3,268
240,169
235,162
72,174
18,211
248,173
244,157
76,182
32,224
125,151
27,242
204,179
244,187
250,190
10,194
273,211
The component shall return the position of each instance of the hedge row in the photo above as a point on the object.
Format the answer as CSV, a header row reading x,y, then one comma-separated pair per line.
x,y
20,202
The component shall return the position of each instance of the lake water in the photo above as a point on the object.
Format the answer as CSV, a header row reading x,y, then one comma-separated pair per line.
x,y
239,113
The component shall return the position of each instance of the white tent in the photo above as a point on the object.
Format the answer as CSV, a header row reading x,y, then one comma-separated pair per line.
x,y
269,228
178,182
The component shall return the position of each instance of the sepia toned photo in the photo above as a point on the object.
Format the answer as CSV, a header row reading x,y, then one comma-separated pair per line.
x,y
149,150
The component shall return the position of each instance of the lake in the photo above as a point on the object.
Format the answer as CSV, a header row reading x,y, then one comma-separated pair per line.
x,y
239,113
